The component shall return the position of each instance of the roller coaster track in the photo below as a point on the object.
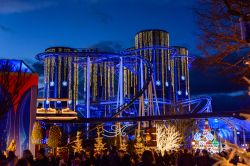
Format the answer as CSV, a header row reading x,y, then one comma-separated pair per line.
x,y
100,57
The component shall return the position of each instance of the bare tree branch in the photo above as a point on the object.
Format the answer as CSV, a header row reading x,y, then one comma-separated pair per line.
x,y
219,35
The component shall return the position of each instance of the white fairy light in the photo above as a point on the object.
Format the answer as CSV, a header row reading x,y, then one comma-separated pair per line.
x,y
168,138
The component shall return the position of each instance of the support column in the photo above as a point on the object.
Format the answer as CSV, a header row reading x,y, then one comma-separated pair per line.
x,y
235,136
119,100
244,137
88,91
141,107
121,81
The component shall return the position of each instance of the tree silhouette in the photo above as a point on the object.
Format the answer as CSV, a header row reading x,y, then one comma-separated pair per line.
x,y
219,36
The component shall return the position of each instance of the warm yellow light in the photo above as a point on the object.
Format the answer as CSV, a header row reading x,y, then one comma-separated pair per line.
x,y
55,118
167,137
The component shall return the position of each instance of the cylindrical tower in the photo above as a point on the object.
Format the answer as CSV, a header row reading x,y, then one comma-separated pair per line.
x,y
60,78
160,59
181,74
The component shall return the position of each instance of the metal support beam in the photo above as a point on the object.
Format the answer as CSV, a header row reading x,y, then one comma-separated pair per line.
x,y
150,118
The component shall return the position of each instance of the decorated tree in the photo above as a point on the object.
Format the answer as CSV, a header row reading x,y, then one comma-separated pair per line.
x,y
54,138
12,146
37,133
139,146
78,143
61,150
206,139
167,137
99,145
123,144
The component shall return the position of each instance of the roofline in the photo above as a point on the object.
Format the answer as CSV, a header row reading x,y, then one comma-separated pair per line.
x,y
180,47
22,61
146,30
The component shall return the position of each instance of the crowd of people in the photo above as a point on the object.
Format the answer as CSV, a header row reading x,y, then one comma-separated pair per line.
x,y
114,157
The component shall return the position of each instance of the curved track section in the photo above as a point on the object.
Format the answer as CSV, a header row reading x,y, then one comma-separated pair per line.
x,y
114,60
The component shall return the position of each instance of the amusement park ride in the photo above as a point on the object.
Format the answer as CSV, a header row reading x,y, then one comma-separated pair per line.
x,y
148,81
136,87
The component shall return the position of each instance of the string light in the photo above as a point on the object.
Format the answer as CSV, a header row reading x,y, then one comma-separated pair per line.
x,y
183,78
99,145
139,146
64,83
52,83
48,79
105,81
65,59
59,76
158,82
54,138
179,92
167,137
77,144
37,133
70,78
166,84
108,81
113,80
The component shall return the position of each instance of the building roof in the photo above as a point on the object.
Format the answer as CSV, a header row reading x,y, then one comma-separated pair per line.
x,y
15,66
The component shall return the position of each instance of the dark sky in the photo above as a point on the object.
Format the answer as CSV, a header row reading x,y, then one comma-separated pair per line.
x,y
27,27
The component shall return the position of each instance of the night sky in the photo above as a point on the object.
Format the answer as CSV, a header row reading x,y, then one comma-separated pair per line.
x,y
27,27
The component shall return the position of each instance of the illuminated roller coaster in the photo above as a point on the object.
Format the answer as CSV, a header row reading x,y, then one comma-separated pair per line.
x,y
151,79
102,92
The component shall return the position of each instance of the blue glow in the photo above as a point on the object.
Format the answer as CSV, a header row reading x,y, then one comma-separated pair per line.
x,y
158,83
64,83
225,126
179,92
16,65
166,84
52,83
